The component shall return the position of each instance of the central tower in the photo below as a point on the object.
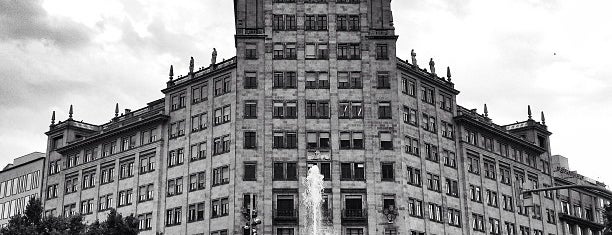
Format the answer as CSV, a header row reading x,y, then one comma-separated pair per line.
x,y
324,55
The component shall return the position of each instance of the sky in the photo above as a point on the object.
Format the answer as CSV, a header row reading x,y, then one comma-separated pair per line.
x,y
550,54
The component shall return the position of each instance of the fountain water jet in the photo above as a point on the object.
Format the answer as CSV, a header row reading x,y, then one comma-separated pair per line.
x,y
312,199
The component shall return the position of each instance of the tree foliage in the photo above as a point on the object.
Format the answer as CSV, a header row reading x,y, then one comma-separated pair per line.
x,y
32,222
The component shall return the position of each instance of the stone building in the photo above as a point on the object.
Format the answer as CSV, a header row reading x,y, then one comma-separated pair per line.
x,y
314,82
581,211
20,181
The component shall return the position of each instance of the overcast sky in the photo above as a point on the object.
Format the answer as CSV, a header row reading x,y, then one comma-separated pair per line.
x,y
554,55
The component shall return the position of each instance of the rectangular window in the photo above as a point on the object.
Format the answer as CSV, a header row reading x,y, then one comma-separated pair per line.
x,y
414,176
352,171
251,51
173,216
250,80
220,176
387,172
250,171
384,110
317,140
383,80
197,181
284,171
433,182
176,157
382,52
250,140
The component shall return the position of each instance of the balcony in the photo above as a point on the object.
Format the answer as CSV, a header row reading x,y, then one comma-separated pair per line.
x,y
354,216
579,220
285,216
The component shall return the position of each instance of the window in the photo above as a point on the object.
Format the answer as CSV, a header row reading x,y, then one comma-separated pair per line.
x,y
387,172
383,80
478,222
429,123
489,169
176,129
317,140
473,164
69,210
285,206
144,221
196,212
349,80
220,207
176,157
283,22
126,169
352,171
382,52
450,159
87,207
149,136
386,141
250,109
510,228
284,109
504,174
317,109
105,202
222,115
284,171
452,188
447,130
415,207
145,193
221,145
91,154
411,145
427,95
475,193
347,22
491,198
315,22
198,151
286,80
107,174
508,203
251,51
71,184
222,85
220,176
410,116
284,140
175,186
414,176
51,191
173,216
250,80
349,51
384,110
125,197
224,231
446,102
89,179
250,171
197,181
353,206
324,169
350,109
408,86
431,152
494,226
250,140
54,167
317,80
199,93
351,140
433,182
454,217
147,163
435,212
177,101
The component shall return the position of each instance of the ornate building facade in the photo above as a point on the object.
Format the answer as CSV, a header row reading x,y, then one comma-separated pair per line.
x,y
314,82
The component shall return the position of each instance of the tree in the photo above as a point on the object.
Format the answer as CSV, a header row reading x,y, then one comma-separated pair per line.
x,y
32,222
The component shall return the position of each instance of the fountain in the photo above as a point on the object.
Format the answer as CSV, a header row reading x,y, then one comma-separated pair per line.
x,y
312,199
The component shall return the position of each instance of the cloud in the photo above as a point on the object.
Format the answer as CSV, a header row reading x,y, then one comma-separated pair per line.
x,y
27,20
